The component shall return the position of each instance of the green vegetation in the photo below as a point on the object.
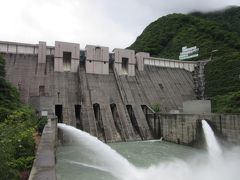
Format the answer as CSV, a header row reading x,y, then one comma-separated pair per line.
x,y
229,103
227,19
210,31
41,122
222,75
17,128
156,107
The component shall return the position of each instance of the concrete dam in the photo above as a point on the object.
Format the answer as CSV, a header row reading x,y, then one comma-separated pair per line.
x,y
112,95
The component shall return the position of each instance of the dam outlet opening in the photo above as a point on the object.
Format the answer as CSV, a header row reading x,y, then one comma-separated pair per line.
x,y
59,113
78,116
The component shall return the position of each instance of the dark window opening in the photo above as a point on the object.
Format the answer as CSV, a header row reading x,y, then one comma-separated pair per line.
x,y
58,112
78,116
125,65
110,66
67,56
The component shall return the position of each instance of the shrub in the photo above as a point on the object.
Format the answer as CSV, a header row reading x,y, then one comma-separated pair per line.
x,y
42,121
156,107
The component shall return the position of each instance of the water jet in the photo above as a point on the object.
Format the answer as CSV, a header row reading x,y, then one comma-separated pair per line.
x,y
90,158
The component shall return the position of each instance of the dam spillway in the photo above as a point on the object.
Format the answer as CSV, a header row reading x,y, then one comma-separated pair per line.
x,y
70,92
95,91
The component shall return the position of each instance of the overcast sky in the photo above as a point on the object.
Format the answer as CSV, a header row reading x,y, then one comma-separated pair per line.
x,y
112,23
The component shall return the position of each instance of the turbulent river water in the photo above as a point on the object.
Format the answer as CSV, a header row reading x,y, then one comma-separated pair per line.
x,y
90,159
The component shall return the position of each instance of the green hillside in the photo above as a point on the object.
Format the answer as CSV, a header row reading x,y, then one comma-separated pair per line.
x,y
210,31
228,19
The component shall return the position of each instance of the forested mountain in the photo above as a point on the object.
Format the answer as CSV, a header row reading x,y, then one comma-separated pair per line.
x,y
209,31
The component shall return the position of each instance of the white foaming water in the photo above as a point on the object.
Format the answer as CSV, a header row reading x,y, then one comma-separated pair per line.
x,y
198,167
214,148
105,158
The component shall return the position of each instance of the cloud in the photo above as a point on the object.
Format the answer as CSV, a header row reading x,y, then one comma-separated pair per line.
x,y
102,22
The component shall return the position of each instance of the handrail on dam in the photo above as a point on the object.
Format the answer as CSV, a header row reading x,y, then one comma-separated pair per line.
x,y
23,48
44,164
171,63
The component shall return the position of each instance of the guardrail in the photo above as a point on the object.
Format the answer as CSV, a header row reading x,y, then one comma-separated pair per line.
x,y
23,48
161,62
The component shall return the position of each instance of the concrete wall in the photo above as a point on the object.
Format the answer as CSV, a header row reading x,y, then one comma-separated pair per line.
x,y
197,107
61,47
27,75
228,126
45,160
42,52
168,87
178,128
186,128
69,89
42,103
142,89
97,59
140,60
102,90
124,53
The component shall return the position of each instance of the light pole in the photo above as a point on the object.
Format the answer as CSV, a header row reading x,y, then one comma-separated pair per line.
x,y
213,51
